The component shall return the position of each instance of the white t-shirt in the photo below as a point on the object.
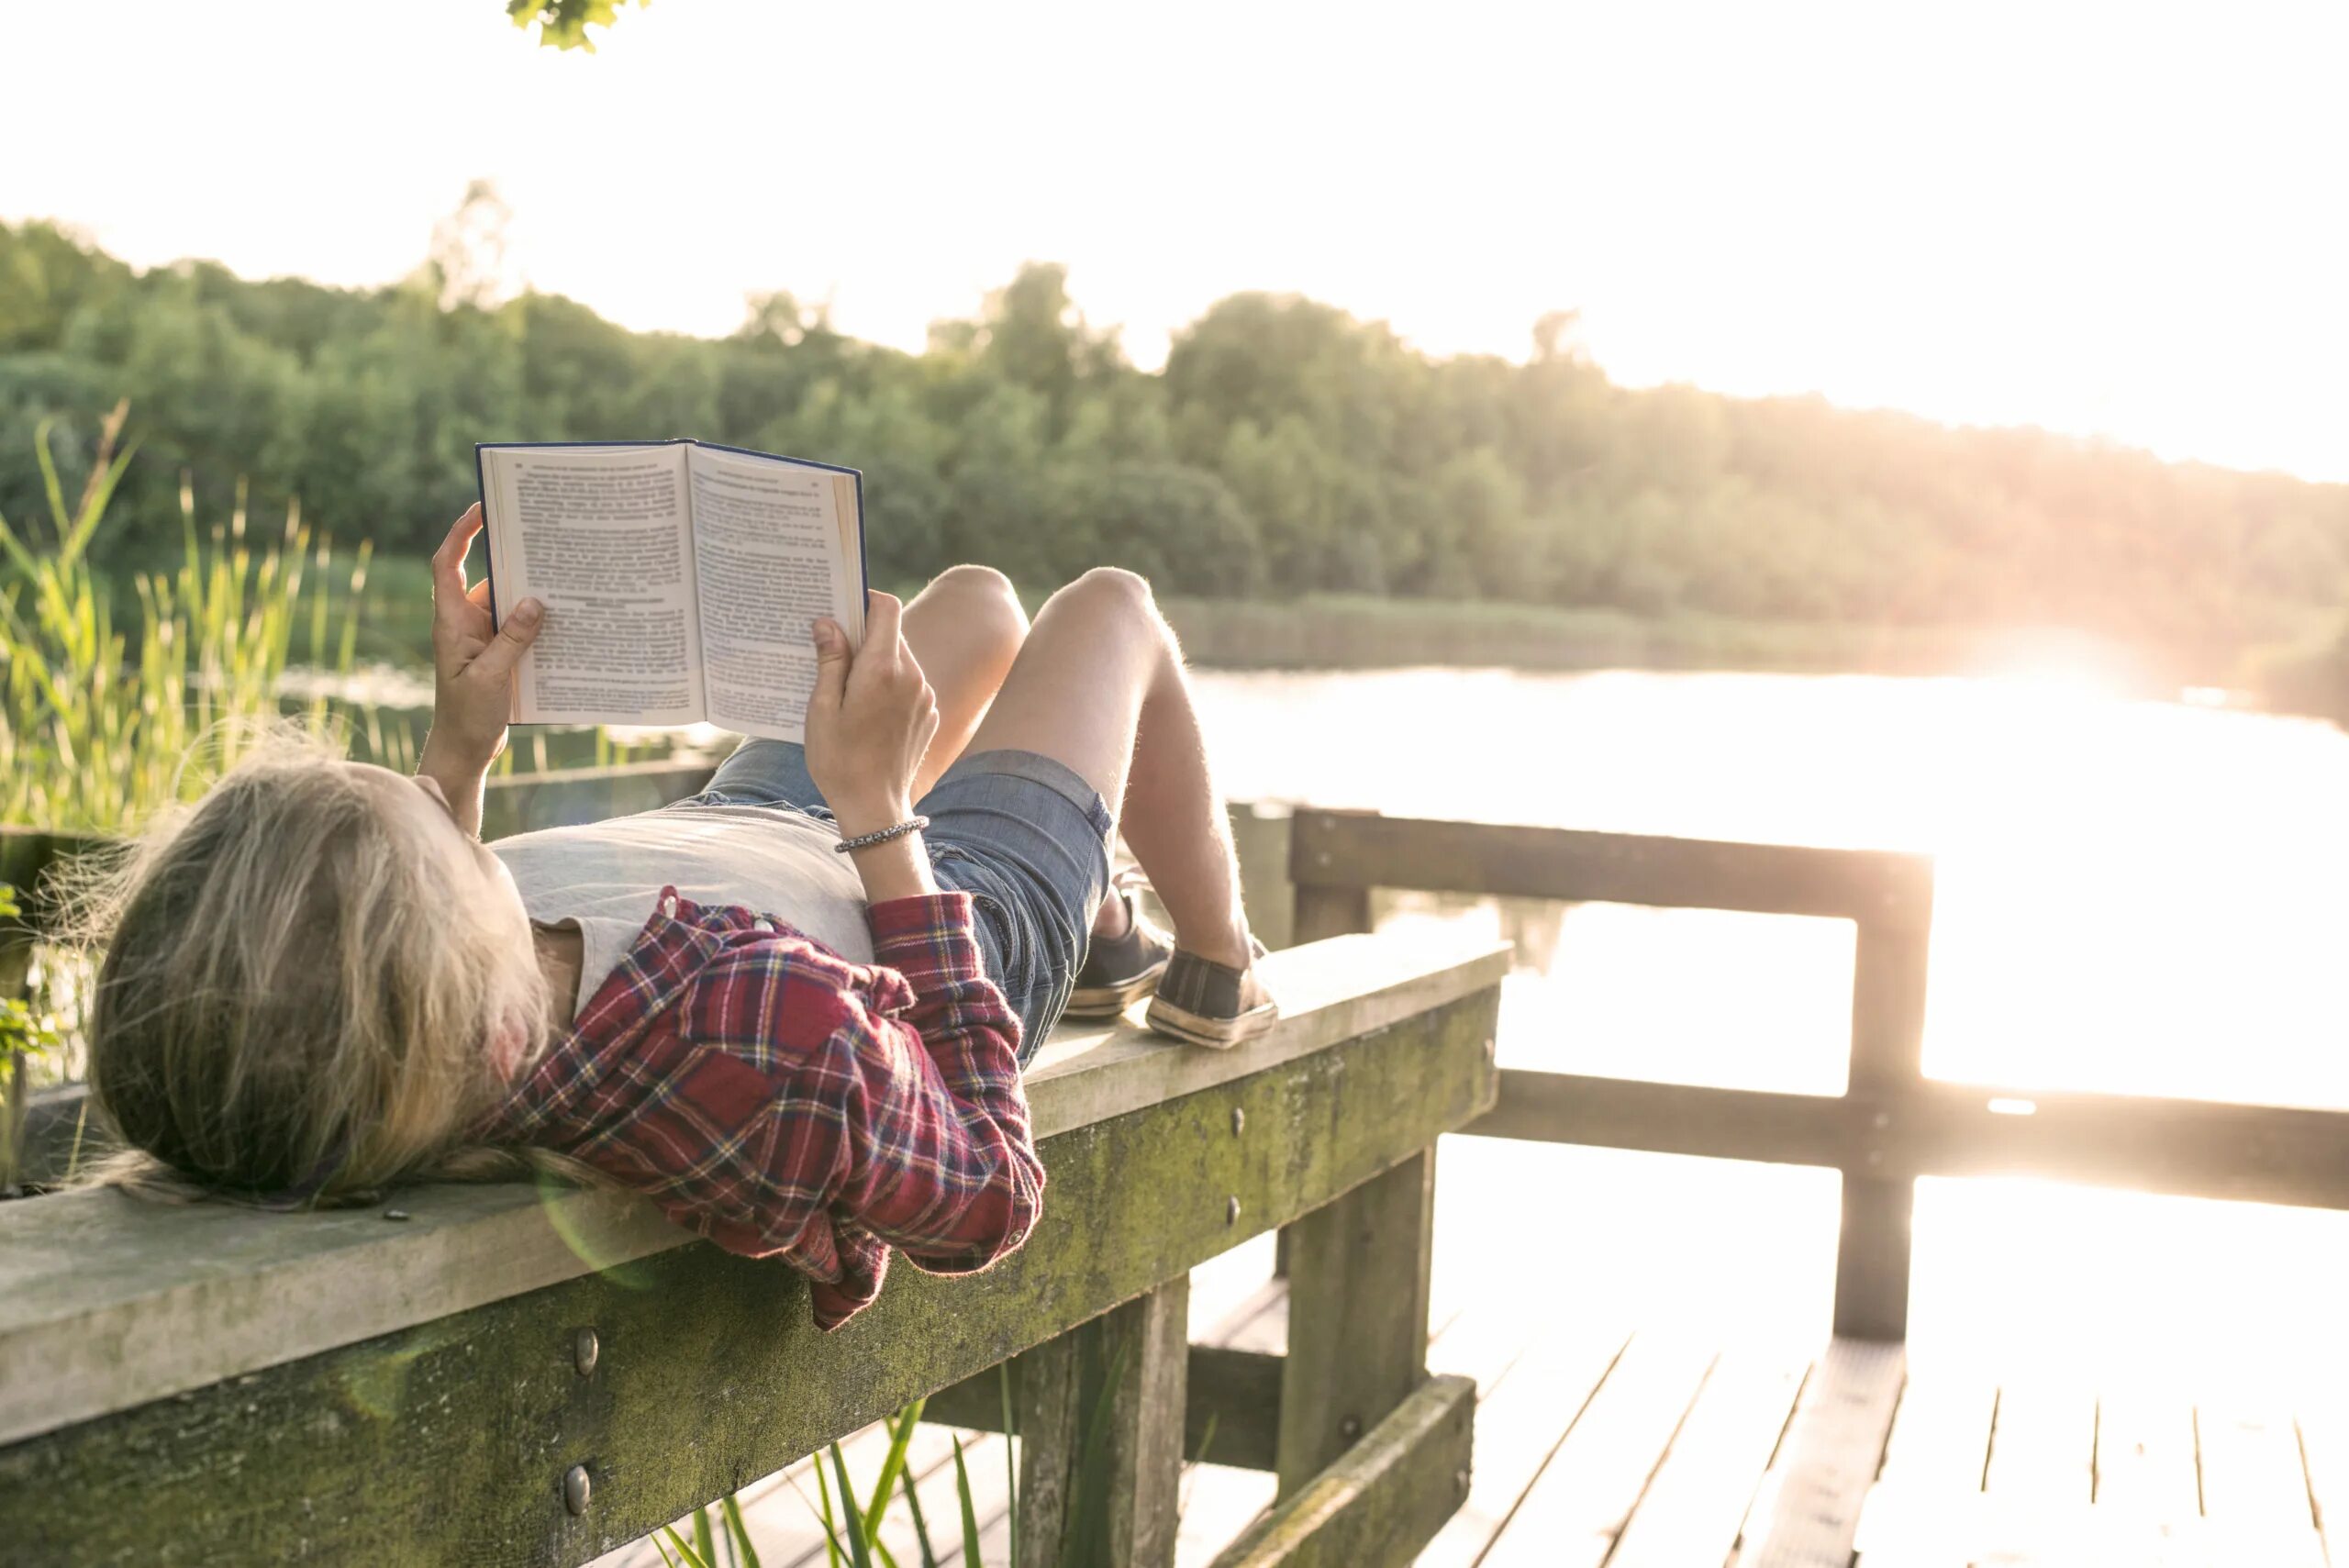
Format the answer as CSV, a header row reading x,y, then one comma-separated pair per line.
x,y
605,876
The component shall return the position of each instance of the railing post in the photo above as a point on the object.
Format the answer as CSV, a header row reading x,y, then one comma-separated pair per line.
x,y
1887,1067
1357,1315
1115,1491
1321,911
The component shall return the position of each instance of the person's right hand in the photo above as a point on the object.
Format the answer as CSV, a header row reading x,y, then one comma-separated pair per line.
x,y
869,721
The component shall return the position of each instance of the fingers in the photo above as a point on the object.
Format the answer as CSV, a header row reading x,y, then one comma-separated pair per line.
x,y
478,594
831,665
883,616
513,639
448,560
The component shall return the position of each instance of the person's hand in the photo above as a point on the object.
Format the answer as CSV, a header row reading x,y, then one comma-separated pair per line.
x,y
869,721
472,661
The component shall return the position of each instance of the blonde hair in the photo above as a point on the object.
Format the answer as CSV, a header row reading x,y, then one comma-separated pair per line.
x,y
295,1005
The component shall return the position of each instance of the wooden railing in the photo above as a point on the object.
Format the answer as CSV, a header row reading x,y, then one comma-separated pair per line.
x,y
1891,1124
508,1374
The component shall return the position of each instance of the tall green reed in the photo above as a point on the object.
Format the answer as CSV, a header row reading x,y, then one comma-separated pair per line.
x,y
105,719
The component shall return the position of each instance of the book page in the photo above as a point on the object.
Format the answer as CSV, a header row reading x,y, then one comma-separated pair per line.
x,y
599,534
772,550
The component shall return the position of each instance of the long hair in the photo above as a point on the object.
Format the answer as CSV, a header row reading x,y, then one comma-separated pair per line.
x,y
295,1006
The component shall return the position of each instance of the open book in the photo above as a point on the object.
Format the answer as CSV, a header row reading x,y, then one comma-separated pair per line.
x,y
681,579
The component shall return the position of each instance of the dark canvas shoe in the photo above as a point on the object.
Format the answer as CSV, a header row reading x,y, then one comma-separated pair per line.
x,y
1119,969
1200,1002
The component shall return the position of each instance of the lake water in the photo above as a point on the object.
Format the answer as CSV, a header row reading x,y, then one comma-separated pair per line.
x,y
2133,895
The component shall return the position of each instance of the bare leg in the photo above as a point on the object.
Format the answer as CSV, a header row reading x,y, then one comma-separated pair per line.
x,y
1099,686
964,629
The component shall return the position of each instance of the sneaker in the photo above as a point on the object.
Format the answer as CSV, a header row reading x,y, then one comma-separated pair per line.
x,y
1200,1002
1118,970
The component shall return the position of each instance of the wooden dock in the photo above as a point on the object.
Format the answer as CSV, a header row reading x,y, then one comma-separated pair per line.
x,y
1686,1440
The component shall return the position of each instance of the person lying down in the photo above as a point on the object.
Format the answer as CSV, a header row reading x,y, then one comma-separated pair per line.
x,y
792,1010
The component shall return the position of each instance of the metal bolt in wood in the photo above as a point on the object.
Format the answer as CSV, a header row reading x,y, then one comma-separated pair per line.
x,y
576,1489
1239,1122
1350,1428
585,1348
1231,1211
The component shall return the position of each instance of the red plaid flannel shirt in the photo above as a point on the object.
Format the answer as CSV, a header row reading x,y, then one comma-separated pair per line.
x,y
776,1098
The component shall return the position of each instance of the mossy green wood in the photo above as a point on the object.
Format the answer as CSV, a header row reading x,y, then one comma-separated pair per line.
x,y
1232,1411
1384,1500
452,1441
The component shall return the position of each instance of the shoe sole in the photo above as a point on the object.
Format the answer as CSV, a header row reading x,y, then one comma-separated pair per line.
x,y
1095,1004
1214,1034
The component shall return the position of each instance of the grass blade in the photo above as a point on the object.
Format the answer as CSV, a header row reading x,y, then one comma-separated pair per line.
x,y
824,1490
739,1535
703,1543
692,1558
970,1514
1010,1466
913,1510
899,1435
858,1555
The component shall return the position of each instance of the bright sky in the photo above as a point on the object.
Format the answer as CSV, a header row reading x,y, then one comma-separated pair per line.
x,y
2127,220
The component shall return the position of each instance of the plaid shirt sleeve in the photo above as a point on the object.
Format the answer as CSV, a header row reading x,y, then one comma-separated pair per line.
x,y
778,1099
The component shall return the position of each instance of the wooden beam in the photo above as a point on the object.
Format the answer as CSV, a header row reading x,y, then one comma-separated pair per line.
x,y
1231,1409
1357,1315
1672,1119
2192,1148
1808,1512
106,1303
1101,1436
453,1437
1343,849
1384,1500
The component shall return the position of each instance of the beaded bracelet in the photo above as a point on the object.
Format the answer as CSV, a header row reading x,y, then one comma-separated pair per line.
x,y
866,841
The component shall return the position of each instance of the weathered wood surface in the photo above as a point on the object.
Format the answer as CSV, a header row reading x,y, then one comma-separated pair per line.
x,y
1362,849
1380,1502
2192,1148
106,1303
1357,1315
458,1431
1101,1436
1807,1514
1230,1413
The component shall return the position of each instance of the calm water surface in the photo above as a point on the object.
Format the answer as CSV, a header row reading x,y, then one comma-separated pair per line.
x,y
2133,895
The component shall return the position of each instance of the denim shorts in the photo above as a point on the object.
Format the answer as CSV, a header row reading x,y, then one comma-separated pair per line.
x,y
1022,834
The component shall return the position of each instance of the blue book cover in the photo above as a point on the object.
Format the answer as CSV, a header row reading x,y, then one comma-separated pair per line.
x,y
681,578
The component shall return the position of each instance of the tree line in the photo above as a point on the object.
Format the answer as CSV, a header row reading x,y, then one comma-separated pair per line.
x,y
1285,448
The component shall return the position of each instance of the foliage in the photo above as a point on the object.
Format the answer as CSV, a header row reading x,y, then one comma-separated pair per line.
x,y
1286,449
102,722
564,23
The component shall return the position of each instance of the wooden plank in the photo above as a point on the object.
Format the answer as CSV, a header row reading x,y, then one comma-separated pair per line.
x,y
2255,1492
2145,1471
1807,1514
2192,1148
1343,849
2324,1449
1101,1436
1585,1496
1379,1503
106,1303
1699,1496
711,1372
1673,1119
1233,1394
1358,1315
1926,1507
1520,1420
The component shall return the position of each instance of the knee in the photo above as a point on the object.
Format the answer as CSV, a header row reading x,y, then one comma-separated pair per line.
x,y
985,599
1114,590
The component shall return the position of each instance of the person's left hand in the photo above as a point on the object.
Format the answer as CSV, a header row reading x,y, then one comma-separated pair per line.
x,y
473,660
